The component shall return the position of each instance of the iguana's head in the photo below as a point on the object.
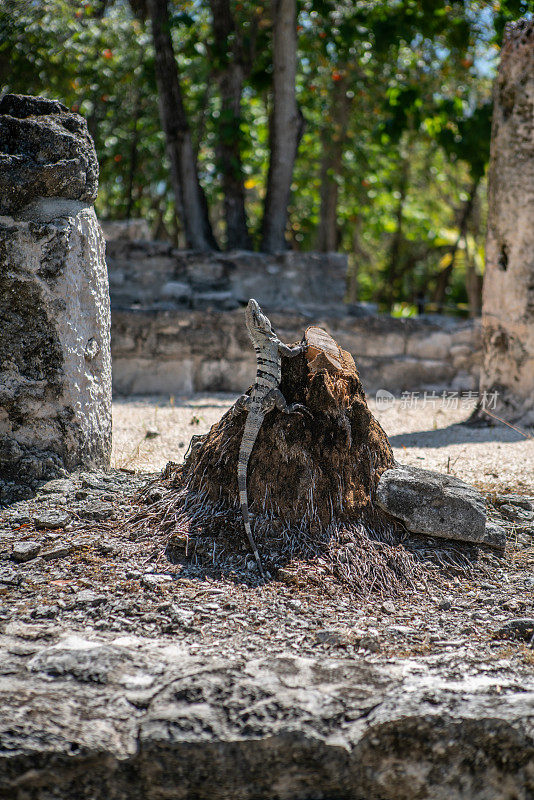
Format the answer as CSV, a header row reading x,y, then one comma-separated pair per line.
x,y
257,322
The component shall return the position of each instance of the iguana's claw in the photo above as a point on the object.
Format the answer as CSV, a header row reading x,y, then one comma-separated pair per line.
x,y
298,408
241,404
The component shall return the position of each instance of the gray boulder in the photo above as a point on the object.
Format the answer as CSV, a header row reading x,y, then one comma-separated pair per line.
x,y
437,505
25,551
45,151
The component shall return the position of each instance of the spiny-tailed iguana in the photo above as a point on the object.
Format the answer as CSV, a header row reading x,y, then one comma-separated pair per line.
x,y
264,397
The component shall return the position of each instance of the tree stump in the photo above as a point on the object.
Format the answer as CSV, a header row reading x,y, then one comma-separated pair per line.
x,y
311,486
303,471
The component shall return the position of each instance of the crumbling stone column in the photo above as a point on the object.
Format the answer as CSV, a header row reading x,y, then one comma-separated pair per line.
x,y
55,364
508,298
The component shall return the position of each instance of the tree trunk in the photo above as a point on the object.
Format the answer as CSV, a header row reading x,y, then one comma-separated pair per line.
x,y
508,294
132,169
333,140
473,285
190,199
444,277
286,126
230,74
390,289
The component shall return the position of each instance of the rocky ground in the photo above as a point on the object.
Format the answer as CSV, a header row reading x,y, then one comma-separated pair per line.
x,y
92,613
69,561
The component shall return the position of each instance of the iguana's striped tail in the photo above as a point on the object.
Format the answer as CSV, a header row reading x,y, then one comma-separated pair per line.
x,y
250,433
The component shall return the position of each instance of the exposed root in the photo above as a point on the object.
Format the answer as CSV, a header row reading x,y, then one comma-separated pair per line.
x,y
365,558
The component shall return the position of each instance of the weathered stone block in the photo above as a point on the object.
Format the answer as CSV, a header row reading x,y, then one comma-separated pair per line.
x,y
464,382
143,718
437,505
460,351
429,345
55,385
54,349
149,376
203,270
225,376
469,335
129,230
223,300
45,151
176,290
139,270
411,374
362,343
288,281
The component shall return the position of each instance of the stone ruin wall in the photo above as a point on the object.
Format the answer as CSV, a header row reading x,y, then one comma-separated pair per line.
x,y
177,321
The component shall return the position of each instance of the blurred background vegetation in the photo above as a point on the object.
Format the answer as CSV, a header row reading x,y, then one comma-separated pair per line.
x,y
395,98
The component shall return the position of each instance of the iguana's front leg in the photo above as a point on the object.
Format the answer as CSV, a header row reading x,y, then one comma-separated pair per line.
x,y
242,404
275,399
291,352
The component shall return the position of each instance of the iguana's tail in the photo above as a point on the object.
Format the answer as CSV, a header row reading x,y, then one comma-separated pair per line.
x,y
250,433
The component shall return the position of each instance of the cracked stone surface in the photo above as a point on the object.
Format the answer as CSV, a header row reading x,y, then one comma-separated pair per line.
x,y
45,151
115,717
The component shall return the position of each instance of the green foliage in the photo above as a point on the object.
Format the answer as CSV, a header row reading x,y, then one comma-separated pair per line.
x,y
396,95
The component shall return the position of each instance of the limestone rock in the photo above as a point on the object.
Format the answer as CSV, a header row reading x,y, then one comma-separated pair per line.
x,y
89,598
45,151
98,510
494,535
126,229
25,551
55,363
107,720
54,299
437,505
60,551
50,519
78,658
